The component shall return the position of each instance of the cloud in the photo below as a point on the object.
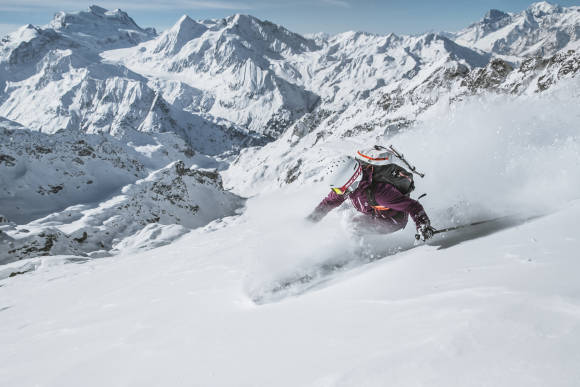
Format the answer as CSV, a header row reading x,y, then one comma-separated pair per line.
x,y
337,3
28,5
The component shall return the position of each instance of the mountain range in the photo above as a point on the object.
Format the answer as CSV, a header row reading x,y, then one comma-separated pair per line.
x,y
115,136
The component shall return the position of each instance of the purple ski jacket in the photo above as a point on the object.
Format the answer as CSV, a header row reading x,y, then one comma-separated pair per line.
x,y
396,206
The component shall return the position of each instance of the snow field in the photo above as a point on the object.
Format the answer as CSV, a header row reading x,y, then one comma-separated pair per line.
x,y
501,310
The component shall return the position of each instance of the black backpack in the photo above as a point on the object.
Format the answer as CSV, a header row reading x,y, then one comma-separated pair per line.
x,y
394,175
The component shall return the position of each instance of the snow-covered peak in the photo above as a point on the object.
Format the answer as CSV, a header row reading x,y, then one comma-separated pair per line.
x,y
27,45
542,29
234,40
172,40
94,16
542,8
101,27
183,22
235,61
352,36
242,19
152,183
264,34
23,34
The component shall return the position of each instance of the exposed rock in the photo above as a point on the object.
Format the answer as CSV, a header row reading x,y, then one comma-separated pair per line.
x,y
489,78
8,160
293,172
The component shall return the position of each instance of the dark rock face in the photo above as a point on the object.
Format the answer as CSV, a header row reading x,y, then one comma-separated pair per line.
x,y
42,149
309,122
563,65
494,15
392,101
293,172
358,129
559,66
82,149
490,77
49,242
8,160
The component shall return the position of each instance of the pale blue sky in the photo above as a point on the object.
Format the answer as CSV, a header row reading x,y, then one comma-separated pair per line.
x,y
332,16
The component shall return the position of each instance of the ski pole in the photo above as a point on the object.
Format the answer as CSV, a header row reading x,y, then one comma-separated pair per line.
x,y
402,158
453,228
470,224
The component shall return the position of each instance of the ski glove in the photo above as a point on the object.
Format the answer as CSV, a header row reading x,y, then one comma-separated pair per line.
x,y
424,231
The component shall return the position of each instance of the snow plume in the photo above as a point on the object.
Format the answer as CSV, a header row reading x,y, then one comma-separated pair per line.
x,y
289,245
497,155
292,255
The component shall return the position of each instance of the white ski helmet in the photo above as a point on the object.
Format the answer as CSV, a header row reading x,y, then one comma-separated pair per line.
x,y
376,155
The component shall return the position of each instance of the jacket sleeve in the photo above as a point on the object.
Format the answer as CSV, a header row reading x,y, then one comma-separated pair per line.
x,y
388,196
327,204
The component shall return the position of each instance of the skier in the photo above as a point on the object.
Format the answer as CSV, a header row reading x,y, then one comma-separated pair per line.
x,y
382,195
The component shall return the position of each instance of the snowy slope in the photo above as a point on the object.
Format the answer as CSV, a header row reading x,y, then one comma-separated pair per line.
x,y
500,310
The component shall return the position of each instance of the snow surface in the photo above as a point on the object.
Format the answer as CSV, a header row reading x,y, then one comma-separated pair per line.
x,y
501,310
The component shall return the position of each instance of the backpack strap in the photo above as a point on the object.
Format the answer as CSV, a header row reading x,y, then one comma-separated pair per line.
x,y
370,192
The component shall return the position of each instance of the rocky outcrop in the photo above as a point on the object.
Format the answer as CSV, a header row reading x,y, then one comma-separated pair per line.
x,y
492,77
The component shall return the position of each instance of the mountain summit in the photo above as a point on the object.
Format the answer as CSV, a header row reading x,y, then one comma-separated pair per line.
x,y
172,40
101,28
